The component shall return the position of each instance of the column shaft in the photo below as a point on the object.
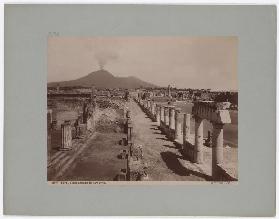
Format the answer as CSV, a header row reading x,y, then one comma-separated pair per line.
x,y
166,115
177,134
66,136
186,127
217,146
198,140
171,118
158,112
162,117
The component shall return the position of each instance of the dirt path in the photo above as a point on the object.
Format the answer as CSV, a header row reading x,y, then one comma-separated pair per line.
x,y
160,154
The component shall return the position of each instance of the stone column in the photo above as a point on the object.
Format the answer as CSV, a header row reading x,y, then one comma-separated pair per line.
x,y
171,118
153,109
186,127
66,134
166,115
217,146
169,91
198,158
150,107
158,116
177,134
162,117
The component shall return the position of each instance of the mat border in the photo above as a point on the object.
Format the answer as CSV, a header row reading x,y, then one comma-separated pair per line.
x,y
26,30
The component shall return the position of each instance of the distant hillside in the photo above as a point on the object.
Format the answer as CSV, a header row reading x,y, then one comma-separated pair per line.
x,y
104,79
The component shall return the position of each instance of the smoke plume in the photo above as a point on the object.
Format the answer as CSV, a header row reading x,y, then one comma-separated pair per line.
x,y
105,56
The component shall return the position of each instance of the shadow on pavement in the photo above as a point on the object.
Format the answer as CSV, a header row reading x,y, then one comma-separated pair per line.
x,y
172,162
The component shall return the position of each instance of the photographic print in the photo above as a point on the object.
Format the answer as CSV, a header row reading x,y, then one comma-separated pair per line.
x,y
152,110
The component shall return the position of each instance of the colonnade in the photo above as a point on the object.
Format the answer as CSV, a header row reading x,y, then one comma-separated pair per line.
x,y
177,127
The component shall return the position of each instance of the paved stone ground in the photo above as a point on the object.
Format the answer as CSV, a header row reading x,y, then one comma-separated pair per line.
x,y
164,161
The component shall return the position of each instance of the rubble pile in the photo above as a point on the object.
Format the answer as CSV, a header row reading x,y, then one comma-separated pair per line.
x,y
106,124
109,116
108,103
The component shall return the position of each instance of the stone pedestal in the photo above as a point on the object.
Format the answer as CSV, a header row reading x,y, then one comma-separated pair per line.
x,y
177,134
129,130
198,158
217,147
128,114
186,128
66,136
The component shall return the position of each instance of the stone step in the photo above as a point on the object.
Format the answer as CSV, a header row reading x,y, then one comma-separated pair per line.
x,y
63,166
57,158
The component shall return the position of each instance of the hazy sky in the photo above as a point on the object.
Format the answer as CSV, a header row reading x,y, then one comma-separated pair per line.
x,y
184,62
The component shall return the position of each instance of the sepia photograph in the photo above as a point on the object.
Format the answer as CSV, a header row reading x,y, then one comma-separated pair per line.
x,y
132,109
160,109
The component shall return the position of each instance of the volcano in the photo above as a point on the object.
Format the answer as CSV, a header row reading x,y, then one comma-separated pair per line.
x,y
104,79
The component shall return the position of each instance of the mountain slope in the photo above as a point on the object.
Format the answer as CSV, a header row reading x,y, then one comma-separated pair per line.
x,y
103,79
